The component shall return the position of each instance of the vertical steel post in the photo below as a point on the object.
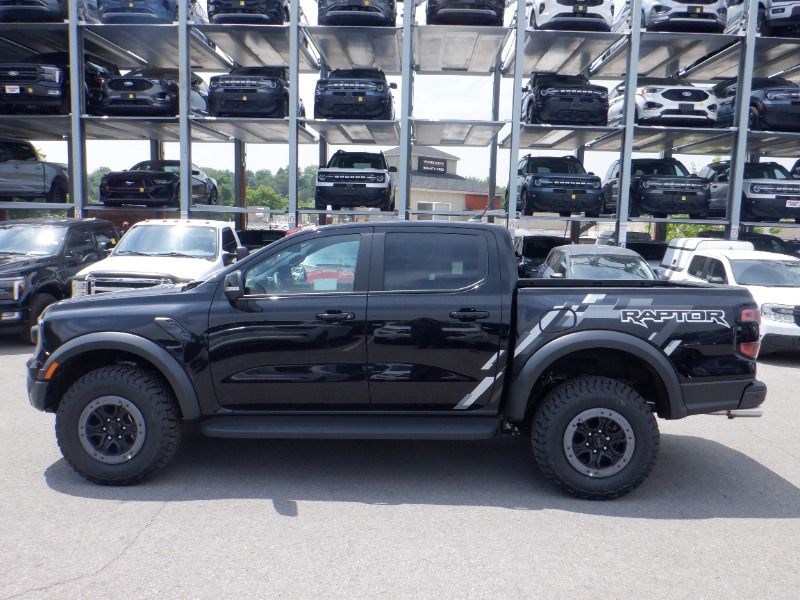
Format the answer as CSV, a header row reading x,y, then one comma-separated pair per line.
x,y
497,77
516,109
736,172
239,182
294,85
184,109
156,150
628,131
77,145
403,197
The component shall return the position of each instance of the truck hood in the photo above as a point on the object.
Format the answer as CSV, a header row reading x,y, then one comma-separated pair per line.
x,y
185,269
139,175
15,264
789,296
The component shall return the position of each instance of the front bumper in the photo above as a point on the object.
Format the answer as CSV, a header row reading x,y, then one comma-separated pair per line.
x,y
32,95
357,12
562,200
142,103
572,110
263,102
773,342
682,19
656,201
112,11
771,207
335,104
13,318
146,195
351,195
465,12
590,20
246,11
785,15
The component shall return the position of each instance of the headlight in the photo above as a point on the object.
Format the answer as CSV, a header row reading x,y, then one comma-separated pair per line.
x,y
596,184
771,95
322,177
778,312
651,90
214,82
12,288
645,183
270,84
603,94
547,92
537,182
380,87
79,288
51,74
380,178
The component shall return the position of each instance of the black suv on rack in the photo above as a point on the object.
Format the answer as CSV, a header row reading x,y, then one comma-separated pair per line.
x,y
152,91
564,99
357,12
40,83
155,183
251,91
465,12
37,11
353,94
37,259
774,104
659,187
557,184
270,12
147,11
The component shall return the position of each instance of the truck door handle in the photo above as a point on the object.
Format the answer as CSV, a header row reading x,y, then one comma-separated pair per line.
x,y
335,316
469,314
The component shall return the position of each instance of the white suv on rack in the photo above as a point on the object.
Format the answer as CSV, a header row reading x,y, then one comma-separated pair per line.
x,y
580,15
677,15
665,102
775,17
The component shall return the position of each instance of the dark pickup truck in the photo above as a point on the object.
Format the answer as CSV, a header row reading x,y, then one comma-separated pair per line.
x,y
395,331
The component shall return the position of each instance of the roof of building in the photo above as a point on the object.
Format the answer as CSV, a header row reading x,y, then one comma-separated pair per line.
x,y
448,182
428,151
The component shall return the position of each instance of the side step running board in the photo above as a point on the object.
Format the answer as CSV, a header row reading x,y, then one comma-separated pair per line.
x,y
354,427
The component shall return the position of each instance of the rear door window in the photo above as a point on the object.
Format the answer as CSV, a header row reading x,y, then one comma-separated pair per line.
x,y
697,266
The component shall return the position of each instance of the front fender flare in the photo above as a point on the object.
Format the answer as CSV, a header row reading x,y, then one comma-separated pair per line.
x,y
166,364
536,365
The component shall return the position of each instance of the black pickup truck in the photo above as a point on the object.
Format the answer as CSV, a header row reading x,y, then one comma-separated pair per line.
x,y
395,330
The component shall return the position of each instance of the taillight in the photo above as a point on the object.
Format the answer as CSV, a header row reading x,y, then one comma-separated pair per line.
x,y
747,331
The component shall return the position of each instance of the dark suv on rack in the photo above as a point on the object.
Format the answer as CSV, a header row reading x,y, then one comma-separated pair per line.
x,y
37,11
353,94
357,12
155,183
564,99
659,187
774,104
465,12
152,91
269,12
557,184
40,83
147,11
251,91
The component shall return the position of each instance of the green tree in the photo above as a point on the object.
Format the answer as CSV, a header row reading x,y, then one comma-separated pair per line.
x,y
93,183
266,196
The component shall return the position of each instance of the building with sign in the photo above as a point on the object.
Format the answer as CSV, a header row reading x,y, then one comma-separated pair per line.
x,y
436,185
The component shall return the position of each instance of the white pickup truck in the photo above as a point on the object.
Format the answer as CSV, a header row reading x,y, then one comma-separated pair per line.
x,y
161,252
24,175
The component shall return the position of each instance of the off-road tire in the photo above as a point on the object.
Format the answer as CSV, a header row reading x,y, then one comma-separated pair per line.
x,y
562,405
38,303
57,193
153,399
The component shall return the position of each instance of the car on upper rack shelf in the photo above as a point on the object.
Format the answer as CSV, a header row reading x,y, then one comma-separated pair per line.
x,y
27,11
564,100
465,12
665,101
353,94
155,183
23,174
152,91
357,12
576,15
660,187
353,179
40,83
769,192
557,184
775,17
774,104
251,91
269,12
677,15
147,11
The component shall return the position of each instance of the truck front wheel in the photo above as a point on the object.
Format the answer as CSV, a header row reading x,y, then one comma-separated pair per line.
x,y
595,438
118,425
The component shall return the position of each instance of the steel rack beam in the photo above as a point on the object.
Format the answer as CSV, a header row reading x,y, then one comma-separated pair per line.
x,y
20,40
252,131
496,82
403,189
36,127
166,129
455,133
259,45
774,143
294,104
342,132
774,55
461,49
685,140
184,109
563,137
37,206
561,52
359,47
516,109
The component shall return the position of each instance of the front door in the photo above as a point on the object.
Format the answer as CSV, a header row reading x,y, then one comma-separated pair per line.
x,y
296,340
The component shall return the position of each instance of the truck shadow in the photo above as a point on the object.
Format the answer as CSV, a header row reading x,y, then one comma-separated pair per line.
x,y
13,346
694,478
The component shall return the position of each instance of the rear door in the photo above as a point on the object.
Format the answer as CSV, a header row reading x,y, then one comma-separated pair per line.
x,y
433,319
21,171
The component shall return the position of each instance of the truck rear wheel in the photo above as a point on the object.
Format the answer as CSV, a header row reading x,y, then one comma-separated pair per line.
x,y
595,438
57,193
118,425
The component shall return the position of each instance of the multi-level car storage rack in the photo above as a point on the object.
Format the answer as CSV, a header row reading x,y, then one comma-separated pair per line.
x,y
410,51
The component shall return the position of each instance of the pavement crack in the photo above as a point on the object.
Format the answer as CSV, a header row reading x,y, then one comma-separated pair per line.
x,y
98,571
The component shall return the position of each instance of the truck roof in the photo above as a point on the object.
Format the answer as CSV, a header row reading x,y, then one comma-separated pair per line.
x,y
748,255
697,243
206,222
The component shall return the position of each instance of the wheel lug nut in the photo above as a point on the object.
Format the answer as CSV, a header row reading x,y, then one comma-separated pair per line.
x,y
104,428
595,451
605,448
587,443
608,438
119,437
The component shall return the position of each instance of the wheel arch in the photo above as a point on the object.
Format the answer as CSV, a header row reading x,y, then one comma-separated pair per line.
x,y
571,355
87,352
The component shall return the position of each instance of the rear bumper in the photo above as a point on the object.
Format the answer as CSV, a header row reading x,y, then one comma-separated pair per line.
x,y
465,11
723,396
232,102
772,342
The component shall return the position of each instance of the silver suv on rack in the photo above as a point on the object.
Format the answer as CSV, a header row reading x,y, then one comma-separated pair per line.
x,y
665,102
677,15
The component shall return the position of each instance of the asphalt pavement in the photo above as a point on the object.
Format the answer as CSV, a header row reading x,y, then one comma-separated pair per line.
x,y
719,516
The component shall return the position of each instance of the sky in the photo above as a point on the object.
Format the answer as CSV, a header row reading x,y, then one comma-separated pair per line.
x,y
435,97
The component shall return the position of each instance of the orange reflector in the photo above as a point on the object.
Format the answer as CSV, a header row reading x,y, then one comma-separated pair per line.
x,y
50,371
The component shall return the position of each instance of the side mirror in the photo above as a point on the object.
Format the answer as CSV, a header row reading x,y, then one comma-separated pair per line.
x,y
393,86
234,286
526,88
520,172
591,172
718,280
555,275
242,252
228,258
722,179
392,169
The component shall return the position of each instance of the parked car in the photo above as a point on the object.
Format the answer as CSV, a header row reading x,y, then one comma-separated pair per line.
x,y
270,12
353,94
660,187
581,261
557,184
665,101
768,191
796,170
774,104
465,12
37,258
531,249
152,91
155,183
21,11
251,91
147,11
678,15
775,17
162,252
23,174
348,12
40,83
580,15
640,242
564,100
256,350
352,179
762,242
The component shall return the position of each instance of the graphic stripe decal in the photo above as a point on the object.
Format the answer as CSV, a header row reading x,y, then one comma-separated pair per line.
x,y
672,346
536,332
490,363
470,398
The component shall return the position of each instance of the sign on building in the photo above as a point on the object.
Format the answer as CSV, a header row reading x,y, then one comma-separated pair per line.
x,y
432,165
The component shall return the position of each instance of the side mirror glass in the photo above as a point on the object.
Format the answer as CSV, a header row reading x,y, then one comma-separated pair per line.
x,y
393,86
714,279
234,286
392,169
525,89
242,252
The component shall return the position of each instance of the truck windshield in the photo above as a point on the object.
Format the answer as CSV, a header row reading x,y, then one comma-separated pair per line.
x,y
765,171
609,266
39,240
562,166
771,273
657,167
356,161
169,240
